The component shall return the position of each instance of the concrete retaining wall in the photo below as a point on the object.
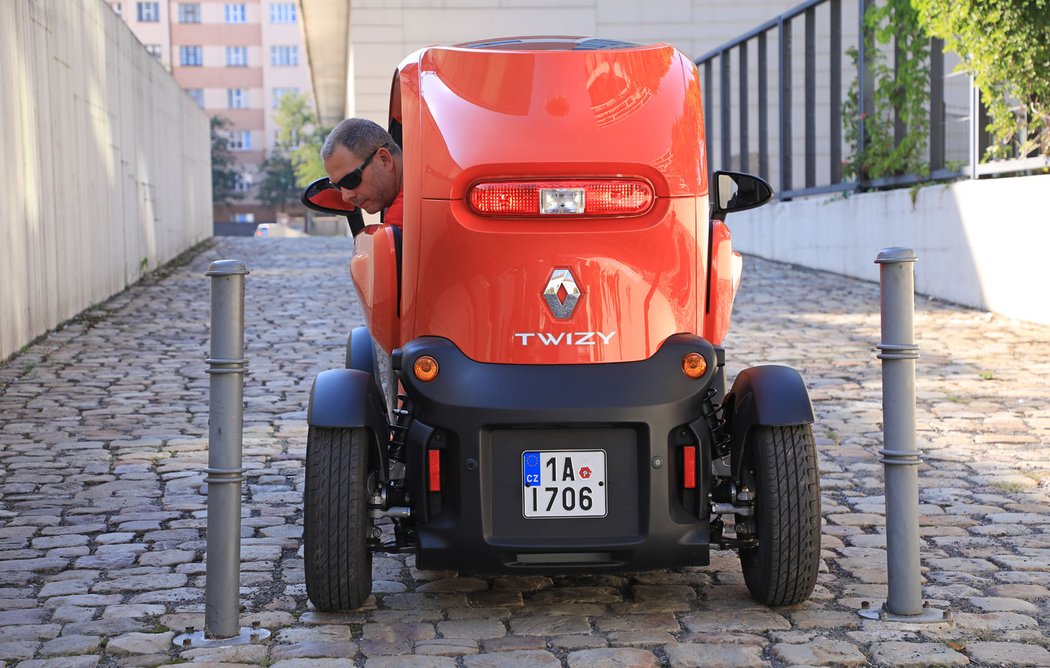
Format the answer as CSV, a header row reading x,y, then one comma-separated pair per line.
x,y
980,243
105,167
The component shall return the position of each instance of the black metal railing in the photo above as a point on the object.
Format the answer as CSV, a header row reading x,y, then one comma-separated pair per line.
x,y
808,119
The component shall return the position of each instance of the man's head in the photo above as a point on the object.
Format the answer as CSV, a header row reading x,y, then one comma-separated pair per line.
x,y
365,162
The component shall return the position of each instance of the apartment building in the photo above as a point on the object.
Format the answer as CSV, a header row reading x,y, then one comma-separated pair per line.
x,y
236,60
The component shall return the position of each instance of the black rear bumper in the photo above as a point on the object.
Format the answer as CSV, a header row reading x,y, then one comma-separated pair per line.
x,y
482,417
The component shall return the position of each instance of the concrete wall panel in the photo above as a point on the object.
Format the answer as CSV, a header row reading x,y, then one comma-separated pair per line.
x,y
105,172
980,243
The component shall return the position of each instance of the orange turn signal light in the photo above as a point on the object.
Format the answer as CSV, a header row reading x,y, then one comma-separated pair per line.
x,y
694,365
425,368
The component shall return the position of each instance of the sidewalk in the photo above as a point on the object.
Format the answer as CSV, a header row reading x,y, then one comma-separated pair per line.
x,y
103,436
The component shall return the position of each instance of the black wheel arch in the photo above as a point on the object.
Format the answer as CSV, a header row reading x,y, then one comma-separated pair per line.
x,y
350,398
360,350
768,395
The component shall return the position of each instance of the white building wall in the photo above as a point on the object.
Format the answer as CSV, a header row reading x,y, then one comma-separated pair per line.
x,y
105,169
383,32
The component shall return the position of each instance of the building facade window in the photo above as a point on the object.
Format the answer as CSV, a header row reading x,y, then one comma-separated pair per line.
x,y
237,98
154,50
236,13
282,12
197,95
148,12
237,56
189,12
243,184
191,56
240,140
278,93
284,55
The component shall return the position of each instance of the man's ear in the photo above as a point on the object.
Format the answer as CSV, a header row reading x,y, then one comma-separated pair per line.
x,y
386,158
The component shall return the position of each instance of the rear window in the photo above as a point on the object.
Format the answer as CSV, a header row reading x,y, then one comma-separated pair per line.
x,y
551,44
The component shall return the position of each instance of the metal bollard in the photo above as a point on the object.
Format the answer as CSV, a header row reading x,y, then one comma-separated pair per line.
x,y
898,352
225,430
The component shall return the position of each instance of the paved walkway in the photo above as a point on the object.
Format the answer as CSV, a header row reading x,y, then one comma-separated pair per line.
x,y
103,442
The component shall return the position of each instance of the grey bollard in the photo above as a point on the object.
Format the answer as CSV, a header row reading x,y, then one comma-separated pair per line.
x,y
226,366
898,352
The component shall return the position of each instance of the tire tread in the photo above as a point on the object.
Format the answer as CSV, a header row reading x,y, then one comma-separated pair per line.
x,y
338,561
783,569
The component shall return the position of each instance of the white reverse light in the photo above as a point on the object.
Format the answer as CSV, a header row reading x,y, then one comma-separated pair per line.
x,y
561,200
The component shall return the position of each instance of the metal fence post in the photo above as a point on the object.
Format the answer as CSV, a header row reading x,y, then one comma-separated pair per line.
x,y
898,352
225,430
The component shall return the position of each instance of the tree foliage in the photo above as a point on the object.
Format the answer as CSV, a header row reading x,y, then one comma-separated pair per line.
x,y
897,92
278,187
1005,44
299,137
223,166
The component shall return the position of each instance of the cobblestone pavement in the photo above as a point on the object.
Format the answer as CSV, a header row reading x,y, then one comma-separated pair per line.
x,y
103,443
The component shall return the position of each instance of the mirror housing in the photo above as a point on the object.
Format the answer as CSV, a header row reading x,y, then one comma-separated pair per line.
x,y
737,191
323,197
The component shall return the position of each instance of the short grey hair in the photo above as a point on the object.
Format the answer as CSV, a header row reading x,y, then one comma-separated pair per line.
x,y
360,135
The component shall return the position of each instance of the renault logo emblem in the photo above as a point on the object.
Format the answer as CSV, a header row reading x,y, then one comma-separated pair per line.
x,y
561,294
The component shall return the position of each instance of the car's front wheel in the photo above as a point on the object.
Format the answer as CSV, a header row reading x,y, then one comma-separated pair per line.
x,y
782,467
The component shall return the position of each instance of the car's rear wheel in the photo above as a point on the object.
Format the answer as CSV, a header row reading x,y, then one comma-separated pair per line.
x,y
335,523
782,467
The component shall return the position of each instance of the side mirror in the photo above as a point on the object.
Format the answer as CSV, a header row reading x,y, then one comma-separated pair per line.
x,y
323,197
736,191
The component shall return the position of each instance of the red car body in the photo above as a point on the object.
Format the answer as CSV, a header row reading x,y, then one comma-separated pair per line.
x,y
559,289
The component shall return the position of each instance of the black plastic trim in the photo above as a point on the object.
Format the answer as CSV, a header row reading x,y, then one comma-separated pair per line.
x,y
771,396
349,398
360,351
481,407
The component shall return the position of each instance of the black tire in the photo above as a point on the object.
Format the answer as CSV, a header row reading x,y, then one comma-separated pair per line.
x,y
782,471
335,521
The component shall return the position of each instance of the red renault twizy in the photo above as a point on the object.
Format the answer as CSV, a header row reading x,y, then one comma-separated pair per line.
x,y
540,386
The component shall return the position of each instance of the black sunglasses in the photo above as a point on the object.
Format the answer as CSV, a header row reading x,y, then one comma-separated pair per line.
x,y
353,179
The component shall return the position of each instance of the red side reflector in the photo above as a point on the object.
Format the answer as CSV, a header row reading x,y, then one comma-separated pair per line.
x,y
689,467
601,197
434,470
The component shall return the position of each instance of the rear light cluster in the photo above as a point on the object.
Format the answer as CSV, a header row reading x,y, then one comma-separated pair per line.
x,y
597,197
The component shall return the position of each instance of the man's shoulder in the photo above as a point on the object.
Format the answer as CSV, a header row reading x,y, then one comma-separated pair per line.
x,y
395,213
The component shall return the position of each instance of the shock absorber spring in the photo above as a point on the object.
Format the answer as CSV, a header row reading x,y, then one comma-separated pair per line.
x,y
399,427
716,424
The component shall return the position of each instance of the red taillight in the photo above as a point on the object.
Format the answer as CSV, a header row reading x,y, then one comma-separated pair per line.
x,y
689,467
598,197
434,470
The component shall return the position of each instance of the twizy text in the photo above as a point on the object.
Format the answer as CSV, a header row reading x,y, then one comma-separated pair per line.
x,y
565,338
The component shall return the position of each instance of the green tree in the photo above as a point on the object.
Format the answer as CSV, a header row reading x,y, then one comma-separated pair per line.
x,y
223,166
1005,45
299,137
278,187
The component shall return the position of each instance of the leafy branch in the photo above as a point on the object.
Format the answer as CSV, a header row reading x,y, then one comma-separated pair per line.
x,y
898,92
1005,45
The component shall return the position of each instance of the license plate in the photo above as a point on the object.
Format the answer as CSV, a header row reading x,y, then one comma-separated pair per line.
x,y
563,483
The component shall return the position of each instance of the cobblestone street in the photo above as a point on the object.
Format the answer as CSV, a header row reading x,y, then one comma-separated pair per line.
x,y
103,445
